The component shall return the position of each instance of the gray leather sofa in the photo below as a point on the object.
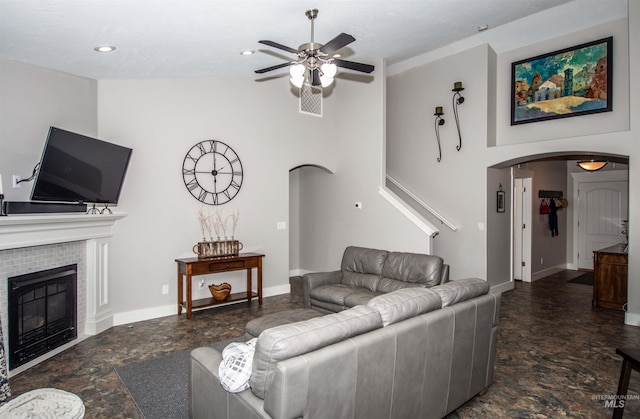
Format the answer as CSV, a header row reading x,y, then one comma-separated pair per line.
x,y
410,353
365,273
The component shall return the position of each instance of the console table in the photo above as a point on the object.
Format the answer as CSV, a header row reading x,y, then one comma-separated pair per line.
x,y
190,267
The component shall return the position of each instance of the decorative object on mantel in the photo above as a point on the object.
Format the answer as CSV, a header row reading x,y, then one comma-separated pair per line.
x,y
220,292
457,100
438,122
216,223
500,204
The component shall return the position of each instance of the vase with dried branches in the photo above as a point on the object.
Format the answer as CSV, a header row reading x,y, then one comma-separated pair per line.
x,y
210,223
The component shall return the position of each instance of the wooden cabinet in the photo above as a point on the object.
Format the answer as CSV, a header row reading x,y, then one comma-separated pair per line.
x,y
610,277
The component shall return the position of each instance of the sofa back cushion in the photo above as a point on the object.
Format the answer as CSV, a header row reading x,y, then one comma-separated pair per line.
x,y
361,267
404,303
413,267
290,340
461,290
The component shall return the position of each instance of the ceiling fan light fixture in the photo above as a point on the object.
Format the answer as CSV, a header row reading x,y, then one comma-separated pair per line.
x,y
592,165
297,71
326,81
329,70
298,82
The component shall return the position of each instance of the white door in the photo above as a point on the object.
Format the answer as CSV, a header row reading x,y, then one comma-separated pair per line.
x,y
522,228
601,208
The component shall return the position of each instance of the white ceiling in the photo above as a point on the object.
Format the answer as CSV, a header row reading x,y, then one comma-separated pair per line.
x,y
203,38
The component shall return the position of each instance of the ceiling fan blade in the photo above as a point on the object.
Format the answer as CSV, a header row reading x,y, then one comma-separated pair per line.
x,y
365,68
275,67
315,78
336,43
279,46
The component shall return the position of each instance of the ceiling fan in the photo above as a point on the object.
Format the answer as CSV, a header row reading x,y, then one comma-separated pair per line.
x,y
316,64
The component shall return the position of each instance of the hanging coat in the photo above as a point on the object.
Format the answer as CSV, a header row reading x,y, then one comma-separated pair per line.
x,y
553,218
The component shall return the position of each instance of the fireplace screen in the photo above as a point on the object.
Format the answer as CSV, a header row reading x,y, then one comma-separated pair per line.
x,y
42,313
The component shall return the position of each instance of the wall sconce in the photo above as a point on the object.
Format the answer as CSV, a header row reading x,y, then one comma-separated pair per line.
x,y
438,122
457,100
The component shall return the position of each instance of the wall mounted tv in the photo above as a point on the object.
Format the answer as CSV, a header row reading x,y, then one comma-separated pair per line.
x,y
80,169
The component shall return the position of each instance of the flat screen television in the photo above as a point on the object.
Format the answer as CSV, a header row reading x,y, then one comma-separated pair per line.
x,y
80,169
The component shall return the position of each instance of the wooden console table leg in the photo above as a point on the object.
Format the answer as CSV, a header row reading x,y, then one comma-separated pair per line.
x,y
260,281
249,285
189,296
180,279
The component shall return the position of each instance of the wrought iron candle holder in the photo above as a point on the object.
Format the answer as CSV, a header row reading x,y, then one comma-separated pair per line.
x,y
439,122
457,100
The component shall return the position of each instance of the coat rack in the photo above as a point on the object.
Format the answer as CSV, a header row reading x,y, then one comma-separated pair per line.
x,y
549,194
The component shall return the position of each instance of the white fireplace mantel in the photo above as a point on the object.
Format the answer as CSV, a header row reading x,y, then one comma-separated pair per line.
x,y
18,231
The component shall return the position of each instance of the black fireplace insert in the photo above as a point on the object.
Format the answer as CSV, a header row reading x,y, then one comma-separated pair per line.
x,y
42,312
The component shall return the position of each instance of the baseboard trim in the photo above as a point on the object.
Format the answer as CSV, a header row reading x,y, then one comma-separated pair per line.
x,y
632,319
151,313
549,271
505,286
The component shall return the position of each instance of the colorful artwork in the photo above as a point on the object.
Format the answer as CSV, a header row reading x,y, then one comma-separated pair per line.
x,y
570,82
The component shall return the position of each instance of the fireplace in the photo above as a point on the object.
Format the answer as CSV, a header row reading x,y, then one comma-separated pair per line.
x,y
42,312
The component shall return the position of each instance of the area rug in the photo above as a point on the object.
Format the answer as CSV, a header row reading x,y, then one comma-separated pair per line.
x,y
160,386
584,279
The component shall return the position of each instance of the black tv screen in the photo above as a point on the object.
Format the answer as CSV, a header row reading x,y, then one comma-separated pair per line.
x,y
80,169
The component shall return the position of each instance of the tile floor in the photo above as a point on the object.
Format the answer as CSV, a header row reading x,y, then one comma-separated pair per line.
x,y
555,357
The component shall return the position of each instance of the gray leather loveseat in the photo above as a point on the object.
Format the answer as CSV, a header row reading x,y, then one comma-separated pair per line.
x,y
410,353
365,273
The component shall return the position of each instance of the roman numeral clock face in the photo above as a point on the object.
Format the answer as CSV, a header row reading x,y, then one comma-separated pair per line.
x,y
212,172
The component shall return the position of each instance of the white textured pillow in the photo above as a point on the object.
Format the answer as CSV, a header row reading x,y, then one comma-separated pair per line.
x,y
404,303
235,368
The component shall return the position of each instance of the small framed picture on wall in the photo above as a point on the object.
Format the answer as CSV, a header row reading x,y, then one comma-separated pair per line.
x,y
500,201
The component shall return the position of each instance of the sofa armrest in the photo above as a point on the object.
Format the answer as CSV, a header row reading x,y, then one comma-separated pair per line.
x,y
444,276
316,279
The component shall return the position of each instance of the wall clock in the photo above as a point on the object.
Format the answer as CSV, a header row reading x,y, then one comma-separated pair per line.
x,y
212,172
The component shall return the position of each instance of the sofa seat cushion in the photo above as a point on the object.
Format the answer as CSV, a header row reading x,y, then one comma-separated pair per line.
x,y
461,290
359,298
333,293
259,324
413,267
405,303
290,340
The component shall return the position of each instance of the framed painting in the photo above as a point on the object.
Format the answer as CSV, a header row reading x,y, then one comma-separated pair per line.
x,y
500,204
570,82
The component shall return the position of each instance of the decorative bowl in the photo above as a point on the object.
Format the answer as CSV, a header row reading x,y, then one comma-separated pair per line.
x,y
220,292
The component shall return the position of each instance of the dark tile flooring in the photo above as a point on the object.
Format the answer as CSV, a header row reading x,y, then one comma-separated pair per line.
x,y
555,357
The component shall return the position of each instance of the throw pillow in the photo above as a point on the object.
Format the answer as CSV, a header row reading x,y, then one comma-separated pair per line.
x,y
235,368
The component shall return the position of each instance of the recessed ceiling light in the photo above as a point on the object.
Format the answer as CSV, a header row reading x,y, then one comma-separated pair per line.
x,y
247,52
104,48
482,28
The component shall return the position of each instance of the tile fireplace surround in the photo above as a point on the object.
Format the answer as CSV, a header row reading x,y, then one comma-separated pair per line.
x,y
30,243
